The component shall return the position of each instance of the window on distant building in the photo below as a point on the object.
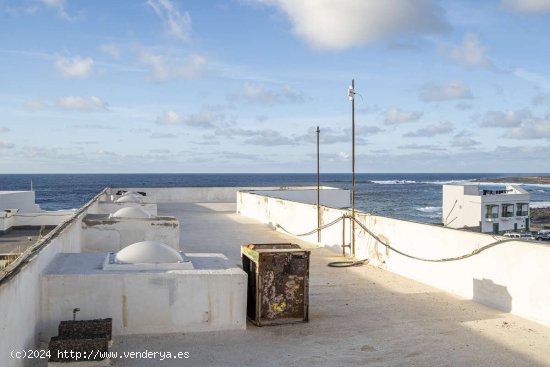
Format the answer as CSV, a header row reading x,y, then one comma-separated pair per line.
x,y
522,209
492,211
507,210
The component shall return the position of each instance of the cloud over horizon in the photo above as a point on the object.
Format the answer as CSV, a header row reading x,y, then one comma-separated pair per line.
x,y
337,25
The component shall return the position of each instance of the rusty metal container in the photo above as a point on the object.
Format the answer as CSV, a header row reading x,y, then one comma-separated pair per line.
x,y
278,283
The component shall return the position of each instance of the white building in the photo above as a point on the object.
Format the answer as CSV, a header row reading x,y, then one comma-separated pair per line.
x,y
491,210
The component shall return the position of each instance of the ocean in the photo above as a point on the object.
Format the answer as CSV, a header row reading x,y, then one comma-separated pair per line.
x,y
410,196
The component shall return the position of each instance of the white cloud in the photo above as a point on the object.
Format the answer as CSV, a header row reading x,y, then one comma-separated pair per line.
x,y
540,99
537,79
528,6
463,142
535,128
432,130
471,52
110,49
521,124
268,137
82,103
75,67
169,118
463,106
258,93
176,24
505,118
334,25
6,145
162,136
396,116
203,119
421,147
344,157
4,129
58,5
162,69
34,104
451,90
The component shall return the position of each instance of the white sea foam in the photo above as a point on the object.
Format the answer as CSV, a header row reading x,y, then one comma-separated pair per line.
x,y
430,209
394,182
539,204
444,182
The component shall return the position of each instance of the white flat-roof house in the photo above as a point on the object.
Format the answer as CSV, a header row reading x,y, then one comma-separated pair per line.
x,y
492,209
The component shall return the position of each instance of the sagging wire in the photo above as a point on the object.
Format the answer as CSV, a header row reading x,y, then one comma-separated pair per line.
x,y
351,263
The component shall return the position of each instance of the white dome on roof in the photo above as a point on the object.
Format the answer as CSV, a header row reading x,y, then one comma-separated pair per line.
x,y
128,199
131,193
148,252
131,212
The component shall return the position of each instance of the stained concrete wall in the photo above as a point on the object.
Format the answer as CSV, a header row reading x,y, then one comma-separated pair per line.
x,y
103,234
20,288
208,298
511,276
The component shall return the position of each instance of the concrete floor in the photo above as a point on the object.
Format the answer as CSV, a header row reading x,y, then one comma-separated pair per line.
x,y
17,240
361,316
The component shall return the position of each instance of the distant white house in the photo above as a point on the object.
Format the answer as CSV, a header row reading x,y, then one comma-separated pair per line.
x,y
490,210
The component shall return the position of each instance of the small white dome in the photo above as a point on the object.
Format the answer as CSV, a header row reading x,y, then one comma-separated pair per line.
x,y
131,193
148,252
128,199
131,212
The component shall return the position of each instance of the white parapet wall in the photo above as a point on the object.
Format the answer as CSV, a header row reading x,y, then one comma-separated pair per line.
x,y
101,233
328,196
211,297
22,200
20,287
510,276
208,194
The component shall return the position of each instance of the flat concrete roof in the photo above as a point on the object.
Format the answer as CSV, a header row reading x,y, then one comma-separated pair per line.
x,y
361,316
17,239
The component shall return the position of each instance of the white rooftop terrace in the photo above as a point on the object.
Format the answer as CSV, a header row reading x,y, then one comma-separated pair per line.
x,y
358,316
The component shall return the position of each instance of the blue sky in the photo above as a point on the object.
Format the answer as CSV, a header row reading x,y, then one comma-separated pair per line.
x,y
239,86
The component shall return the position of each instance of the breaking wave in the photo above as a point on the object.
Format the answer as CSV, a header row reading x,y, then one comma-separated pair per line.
x,y
394,182
539,204
430,209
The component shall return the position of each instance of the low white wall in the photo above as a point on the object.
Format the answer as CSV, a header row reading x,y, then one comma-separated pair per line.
x,y
53,218
106,207
335,198
18,219
20,288
144,302
115,234
22,200
511,276
198,194
6,221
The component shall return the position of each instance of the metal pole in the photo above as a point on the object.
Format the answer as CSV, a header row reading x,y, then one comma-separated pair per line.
x,y
353,169
318,191
344,236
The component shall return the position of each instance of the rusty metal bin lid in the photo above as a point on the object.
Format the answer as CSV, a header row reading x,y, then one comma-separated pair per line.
x,y
254,250
267,247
